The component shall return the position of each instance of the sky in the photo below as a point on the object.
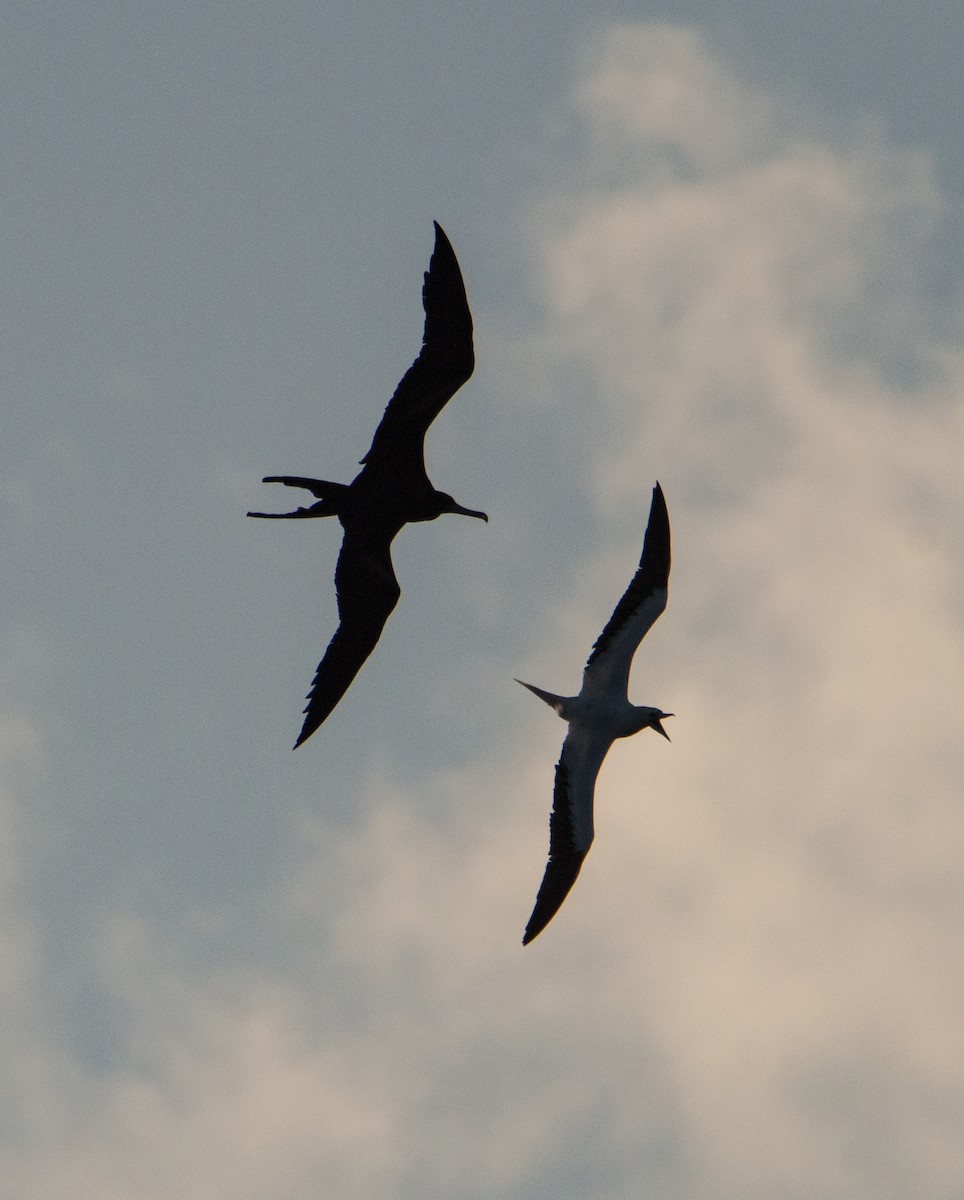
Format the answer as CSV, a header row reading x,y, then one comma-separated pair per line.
x,y
718,245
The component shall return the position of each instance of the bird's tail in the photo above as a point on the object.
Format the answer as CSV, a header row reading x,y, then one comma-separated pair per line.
x,y
329,497
554,701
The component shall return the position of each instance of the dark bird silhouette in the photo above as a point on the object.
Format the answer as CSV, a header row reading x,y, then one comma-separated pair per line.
x,y
599,715
392,488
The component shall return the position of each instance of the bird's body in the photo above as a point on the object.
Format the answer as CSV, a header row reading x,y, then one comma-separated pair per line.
x,y
599,715
392,489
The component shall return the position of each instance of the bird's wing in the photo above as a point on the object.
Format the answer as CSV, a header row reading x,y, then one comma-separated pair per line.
x,y
570,823
446,361
607,669
367,593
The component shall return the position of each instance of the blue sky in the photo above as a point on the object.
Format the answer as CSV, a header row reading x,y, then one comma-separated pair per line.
x,y
717,245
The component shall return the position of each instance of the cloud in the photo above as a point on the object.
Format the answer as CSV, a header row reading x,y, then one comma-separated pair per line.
x,y
657,92
749,314
754,988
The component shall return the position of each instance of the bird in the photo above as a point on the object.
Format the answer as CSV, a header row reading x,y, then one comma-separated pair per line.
x,y
599,715
392,489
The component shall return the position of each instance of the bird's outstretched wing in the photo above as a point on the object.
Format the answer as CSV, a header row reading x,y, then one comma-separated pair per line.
x,y
570,823
446,361
607,668
367,593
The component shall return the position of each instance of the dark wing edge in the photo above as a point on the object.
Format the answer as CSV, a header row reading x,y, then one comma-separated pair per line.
x,y
445,362
651,576
565,861
367,593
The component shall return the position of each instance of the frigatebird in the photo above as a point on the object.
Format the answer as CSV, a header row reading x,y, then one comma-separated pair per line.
x,y
599,715
392,488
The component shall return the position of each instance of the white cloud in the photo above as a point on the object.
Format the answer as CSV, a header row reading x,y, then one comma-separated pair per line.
x,y
657,92
753,990
731,310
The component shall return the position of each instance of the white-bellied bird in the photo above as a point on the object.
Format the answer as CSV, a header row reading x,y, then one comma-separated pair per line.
x,y
392,488
599,715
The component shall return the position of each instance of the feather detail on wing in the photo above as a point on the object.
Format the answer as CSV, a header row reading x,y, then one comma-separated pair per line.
x,y
609,663
367,593
570,824
446,361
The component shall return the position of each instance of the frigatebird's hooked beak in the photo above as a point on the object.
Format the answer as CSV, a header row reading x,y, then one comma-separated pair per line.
x,y
467,512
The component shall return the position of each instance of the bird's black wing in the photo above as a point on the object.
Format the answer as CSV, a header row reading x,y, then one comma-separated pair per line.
x,y
446,361
570,823
367,593
612,655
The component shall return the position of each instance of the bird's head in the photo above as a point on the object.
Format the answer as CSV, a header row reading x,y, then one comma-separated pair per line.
x,y
654,722
448,505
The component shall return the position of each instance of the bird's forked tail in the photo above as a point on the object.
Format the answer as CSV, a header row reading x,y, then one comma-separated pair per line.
x,y
329,494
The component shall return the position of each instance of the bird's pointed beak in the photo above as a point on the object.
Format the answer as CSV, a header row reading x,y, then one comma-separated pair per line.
x,y
659,728
468,512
